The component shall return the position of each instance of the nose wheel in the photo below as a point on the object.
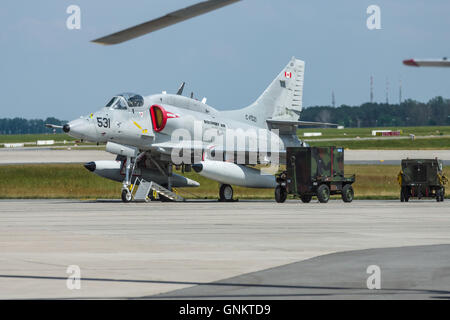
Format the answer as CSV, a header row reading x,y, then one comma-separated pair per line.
x,y
126,195
226,193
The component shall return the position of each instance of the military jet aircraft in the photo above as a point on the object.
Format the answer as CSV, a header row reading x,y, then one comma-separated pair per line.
x,y
152,133
427,62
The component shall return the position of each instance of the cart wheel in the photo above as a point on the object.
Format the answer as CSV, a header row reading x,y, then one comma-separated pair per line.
x,y
280,194
323,193
306,198
347,193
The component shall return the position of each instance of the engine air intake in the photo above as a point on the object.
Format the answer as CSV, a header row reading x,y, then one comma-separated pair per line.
x,y
159,117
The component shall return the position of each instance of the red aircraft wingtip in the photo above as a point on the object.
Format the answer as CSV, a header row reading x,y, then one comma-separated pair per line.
x,y
410,62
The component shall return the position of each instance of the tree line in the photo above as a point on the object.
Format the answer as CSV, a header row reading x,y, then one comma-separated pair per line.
x,y
435,112
24,126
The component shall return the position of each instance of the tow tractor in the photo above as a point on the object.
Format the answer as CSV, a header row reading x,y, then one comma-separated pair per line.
x,y
422,178
314,172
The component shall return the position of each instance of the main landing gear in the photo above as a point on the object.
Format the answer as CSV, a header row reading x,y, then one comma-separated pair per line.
x,y
226,193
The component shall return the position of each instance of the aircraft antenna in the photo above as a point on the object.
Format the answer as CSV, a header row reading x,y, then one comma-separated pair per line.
x,y
180,89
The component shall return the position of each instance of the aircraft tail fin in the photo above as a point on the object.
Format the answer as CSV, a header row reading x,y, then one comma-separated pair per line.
x,y
282,99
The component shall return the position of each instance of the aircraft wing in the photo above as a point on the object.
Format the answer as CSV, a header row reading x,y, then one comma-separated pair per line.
x,y
164,21
201,149
300,123
290,127
427,62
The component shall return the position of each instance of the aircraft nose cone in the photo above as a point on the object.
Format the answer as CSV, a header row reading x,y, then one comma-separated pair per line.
x,y
90,166
66,128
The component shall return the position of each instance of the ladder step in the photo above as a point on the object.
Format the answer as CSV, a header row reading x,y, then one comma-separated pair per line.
x,y
145,187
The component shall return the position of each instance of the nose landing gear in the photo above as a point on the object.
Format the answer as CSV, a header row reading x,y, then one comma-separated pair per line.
x,y
126,195
129,169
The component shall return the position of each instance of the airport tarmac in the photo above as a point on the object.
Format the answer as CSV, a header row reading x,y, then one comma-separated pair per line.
x,y
261,249
48,155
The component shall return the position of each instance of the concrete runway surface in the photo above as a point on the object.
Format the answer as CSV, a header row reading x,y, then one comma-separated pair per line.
x,y
418,272
156,250
47,155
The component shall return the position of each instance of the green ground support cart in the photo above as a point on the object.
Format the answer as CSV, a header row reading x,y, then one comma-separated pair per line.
x,y
314,171
421,178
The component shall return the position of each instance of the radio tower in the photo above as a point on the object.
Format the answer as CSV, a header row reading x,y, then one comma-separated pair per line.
x,y
371,89
387,90
333,101
400,93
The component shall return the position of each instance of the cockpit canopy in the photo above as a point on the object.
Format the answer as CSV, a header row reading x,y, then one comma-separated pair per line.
x,y
124,100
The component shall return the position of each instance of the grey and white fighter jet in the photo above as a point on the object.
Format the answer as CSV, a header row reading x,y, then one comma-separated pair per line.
x,y
152,133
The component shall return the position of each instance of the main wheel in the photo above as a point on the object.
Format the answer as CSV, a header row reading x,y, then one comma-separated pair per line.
x,y
306,198
323,193
347,193
226,193
126,196
280,194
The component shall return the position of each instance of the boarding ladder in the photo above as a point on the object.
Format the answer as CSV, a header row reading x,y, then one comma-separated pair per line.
x,y
145,187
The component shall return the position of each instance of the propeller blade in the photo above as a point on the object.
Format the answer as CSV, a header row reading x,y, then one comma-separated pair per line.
x,y
164,21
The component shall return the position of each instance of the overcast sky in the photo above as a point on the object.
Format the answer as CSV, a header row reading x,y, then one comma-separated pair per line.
x,y
229,55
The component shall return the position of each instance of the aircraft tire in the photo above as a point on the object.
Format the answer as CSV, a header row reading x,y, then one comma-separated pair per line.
x,y
226,193
126,196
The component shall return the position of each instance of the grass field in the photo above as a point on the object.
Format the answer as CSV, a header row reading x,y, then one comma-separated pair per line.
x,y
428,142
74,181
401,144
367,132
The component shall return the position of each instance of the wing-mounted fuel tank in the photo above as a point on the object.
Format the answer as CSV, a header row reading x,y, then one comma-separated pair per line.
x,y
234,174
115,170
